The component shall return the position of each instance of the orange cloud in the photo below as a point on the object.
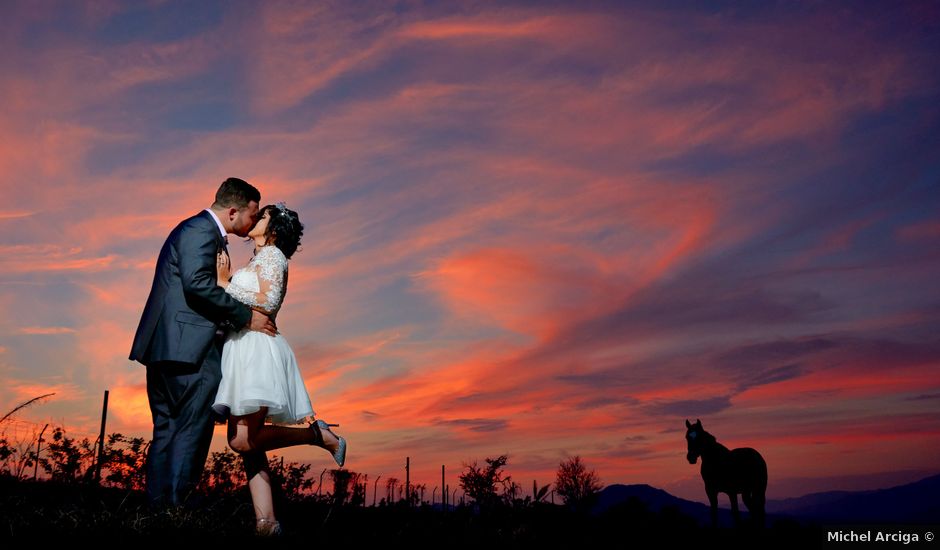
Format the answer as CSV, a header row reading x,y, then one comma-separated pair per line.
x,y
46,330
24,390
517,290
130,407
15,215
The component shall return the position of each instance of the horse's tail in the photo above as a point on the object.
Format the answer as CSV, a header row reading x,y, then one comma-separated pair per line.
x,y
756,505
758,496
762,476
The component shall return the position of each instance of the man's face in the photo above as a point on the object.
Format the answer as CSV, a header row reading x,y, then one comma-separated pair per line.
x,y
245,219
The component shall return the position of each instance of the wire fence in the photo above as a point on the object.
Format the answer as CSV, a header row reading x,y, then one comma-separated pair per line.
x,y
15,429
24,436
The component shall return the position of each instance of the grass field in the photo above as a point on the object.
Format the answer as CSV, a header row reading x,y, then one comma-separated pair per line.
x,y
69,512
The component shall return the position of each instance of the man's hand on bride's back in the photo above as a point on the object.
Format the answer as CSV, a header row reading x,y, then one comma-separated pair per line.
x,y
262,323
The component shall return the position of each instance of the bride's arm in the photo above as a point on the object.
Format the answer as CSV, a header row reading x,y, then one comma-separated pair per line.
x,y
270,268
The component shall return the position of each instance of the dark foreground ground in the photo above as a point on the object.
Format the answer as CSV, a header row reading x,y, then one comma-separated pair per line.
x,y
45,512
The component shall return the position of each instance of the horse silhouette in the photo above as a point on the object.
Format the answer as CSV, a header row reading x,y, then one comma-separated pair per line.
x,y
729,471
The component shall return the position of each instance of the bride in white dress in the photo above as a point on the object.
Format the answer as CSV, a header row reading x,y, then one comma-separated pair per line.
x,y
260,377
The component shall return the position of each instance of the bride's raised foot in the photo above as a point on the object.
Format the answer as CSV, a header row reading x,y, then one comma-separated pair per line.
x,y
317,434
339,453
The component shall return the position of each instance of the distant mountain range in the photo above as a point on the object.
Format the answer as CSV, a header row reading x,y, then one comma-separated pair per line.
x,y
916,503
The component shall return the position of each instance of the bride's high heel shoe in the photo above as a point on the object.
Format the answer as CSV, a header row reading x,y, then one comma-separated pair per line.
x,y
268,528
340,454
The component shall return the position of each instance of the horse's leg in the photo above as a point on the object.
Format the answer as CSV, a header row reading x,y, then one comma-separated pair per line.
x,y
748,497
758,512
713,501
734,507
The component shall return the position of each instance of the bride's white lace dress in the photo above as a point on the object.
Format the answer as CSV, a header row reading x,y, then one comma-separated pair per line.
x,y
260,370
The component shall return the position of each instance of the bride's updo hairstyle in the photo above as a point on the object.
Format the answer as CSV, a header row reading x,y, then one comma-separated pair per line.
x,y
284,228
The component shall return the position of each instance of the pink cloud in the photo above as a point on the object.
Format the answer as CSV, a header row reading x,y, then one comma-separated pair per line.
x,y
844,383
837,241
924,230
519,26
51,257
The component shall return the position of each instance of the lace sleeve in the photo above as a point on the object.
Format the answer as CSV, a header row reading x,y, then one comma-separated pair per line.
x,y
270,266
242,294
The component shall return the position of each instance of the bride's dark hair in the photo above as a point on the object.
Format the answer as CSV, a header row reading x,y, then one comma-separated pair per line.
x,y
284,228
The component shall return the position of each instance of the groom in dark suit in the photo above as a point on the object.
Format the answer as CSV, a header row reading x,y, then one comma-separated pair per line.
x,y
180,339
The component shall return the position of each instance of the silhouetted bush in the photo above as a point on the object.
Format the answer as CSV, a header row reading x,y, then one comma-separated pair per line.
x,y
481,484
577,486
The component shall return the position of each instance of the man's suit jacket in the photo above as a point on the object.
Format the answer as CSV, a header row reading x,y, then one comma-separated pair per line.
x,y
186,306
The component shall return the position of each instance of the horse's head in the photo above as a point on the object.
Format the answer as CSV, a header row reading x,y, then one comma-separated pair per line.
x,y
696,437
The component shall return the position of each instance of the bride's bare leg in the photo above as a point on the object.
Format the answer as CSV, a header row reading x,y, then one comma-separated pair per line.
x,y
259,483
255,435
256,468
270,437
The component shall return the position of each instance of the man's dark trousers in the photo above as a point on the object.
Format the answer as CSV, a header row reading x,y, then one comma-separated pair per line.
x,y
181,397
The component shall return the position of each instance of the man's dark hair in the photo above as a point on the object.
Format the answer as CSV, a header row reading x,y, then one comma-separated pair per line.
x,y
237,193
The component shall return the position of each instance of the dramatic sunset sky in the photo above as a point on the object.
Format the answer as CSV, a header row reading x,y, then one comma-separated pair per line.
x,y
545,229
